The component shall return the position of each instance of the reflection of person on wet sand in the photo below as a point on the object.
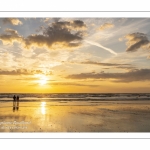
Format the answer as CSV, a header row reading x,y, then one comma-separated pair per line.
x,y
17,102
14,102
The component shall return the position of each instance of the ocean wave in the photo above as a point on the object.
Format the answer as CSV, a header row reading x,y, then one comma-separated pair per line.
x,y
75,96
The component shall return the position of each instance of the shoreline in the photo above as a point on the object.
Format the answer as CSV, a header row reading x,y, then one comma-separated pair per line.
x,y
101,117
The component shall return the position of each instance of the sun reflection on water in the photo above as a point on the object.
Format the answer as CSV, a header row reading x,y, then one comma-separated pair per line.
x,y
43,110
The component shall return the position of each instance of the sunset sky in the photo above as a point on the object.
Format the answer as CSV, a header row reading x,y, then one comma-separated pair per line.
x,y
66,55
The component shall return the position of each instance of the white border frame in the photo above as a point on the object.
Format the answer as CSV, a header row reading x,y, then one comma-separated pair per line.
x,y
72,14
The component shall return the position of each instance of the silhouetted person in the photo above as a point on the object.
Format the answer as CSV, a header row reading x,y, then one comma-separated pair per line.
x,y
14,97
14,103
17,102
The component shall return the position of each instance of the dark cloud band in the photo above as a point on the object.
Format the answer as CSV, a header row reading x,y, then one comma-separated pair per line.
x,y
133,75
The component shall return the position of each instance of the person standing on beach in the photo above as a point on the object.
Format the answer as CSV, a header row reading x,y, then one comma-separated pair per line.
x,y
14,102
17,102
14,97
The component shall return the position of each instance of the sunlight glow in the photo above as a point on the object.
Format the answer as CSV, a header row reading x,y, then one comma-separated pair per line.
x,y
42,79
43,110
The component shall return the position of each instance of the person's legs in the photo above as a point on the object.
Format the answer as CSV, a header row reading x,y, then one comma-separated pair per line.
x,y
17,104
14,105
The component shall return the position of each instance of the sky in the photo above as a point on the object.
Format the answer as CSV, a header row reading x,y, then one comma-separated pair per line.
x,y
75,55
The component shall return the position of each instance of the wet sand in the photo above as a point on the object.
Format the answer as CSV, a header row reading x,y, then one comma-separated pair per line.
x,y
127,116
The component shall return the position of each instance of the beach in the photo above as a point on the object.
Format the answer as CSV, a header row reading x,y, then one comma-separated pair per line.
x,y
76,116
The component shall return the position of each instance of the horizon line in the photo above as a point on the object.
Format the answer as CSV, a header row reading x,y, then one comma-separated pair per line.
x,y
75,92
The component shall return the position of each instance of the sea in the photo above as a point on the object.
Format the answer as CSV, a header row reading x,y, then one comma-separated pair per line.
x,y
49,97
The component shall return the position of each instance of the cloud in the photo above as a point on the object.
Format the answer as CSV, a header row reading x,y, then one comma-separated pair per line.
x,y
131,76
103,64
106,26
72,84
78,25
56,36
46,20
11,31
12,21
73,25
27,79
20,72
10,36
126,67
15,72
119,66
135,41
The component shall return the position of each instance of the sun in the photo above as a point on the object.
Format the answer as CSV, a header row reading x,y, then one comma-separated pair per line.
x,y
43,80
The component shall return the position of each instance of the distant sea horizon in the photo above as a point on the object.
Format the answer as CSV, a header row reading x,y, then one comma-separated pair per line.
x,y
4,97
75,92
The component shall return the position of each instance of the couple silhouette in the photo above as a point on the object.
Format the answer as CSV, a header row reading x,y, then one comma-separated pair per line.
x,y
15,103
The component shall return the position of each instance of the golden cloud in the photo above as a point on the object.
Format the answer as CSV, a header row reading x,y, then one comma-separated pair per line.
x,y
106,26
20,72
13,21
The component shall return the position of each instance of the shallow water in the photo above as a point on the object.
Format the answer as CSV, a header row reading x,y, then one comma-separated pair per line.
x,y
74,116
